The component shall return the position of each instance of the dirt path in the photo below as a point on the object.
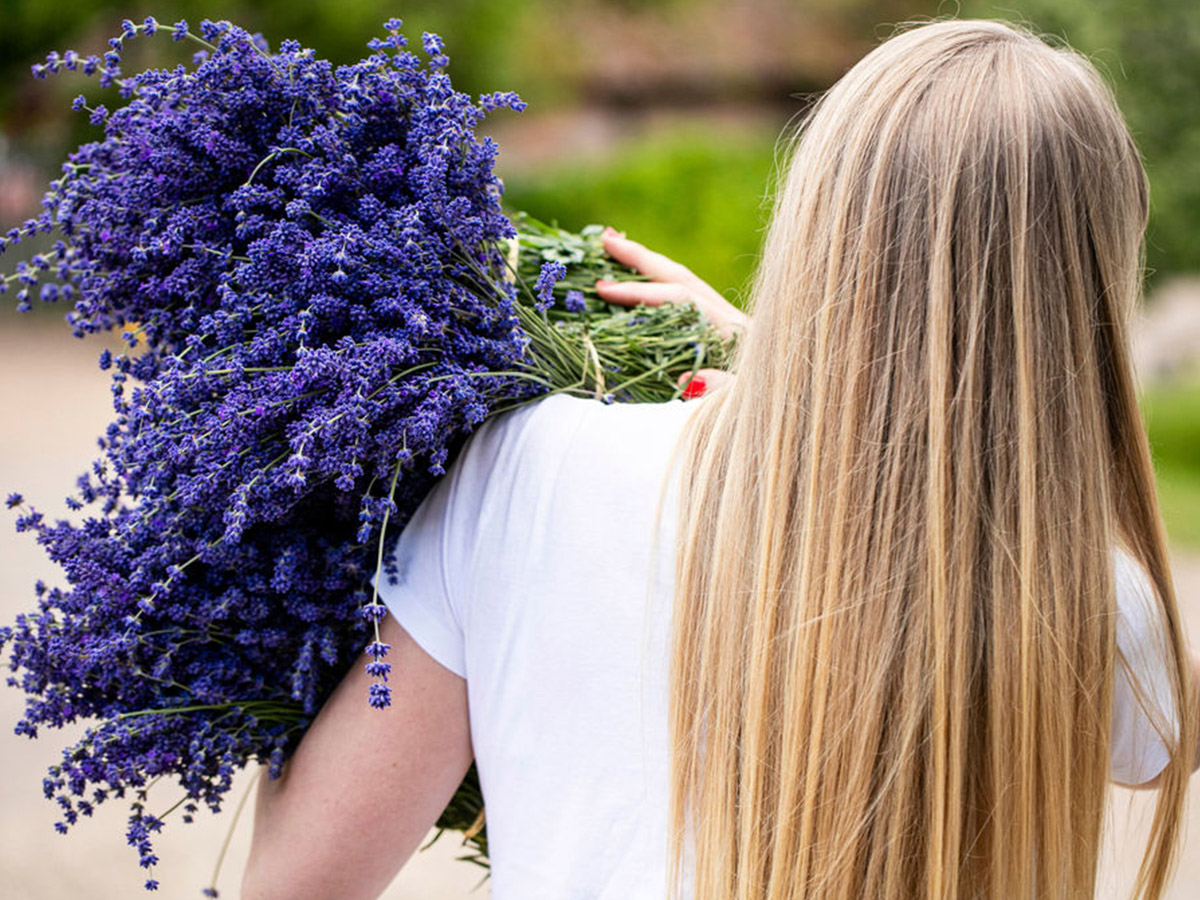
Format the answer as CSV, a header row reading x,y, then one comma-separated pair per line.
x,y
54,403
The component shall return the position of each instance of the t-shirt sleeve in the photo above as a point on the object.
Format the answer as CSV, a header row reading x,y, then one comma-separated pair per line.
x,y
1143,703
448,535
419,599
422,597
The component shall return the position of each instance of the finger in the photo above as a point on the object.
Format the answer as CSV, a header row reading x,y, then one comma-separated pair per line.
x,y
642,293
698,383
641,258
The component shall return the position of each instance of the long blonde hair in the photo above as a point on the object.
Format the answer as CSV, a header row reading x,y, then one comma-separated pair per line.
x,y
894,655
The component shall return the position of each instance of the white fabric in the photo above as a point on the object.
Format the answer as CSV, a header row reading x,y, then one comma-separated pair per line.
x,y
1138,752
531,571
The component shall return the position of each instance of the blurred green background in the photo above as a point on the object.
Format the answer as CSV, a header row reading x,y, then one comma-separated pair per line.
x,y
663,117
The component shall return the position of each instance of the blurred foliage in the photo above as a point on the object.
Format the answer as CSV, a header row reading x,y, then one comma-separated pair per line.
x,y
695,194
1150,51
480,34
1149,48
530,46
1172,413
698,200
482,37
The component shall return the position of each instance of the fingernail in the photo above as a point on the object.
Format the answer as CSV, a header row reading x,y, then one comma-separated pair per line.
x,y
601,282
609,231
695,388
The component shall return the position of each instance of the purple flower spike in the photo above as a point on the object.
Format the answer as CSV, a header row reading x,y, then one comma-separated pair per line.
x,y
543,288
308,265
380,696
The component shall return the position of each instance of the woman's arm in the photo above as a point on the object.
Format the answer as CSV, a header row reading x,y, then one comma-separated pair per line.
x,y
365,785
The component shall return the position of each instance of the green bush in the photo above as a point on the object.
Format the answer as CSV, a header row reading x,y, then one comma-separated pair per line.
x,y
1173,417
697,199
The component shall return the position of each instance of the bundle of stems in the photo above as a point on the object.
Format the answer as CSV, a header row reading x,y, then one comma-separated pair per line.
x,y
610,353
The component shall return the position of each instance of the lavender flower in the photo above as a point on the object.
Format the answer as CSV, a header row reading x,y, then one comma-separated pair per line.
x,y
310,266
312,256
543,289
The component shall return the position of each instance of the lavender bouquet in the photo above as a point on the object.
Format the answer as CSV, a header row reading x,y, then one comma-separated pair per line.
x,y
321,297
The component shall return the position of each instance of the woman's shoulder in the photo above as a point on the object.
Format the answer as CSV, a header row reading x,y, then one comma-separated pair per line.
x,y
563,451
581,429
545,419
527,434
551,411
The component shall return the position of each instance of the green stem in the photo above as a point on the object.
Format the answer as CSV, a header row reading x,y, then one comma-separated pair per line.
x,y
237,815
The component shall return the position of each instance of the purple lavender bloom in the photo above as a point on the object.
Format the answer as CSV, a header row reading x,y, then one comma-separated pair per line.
x,y
574,301
314,257
543,288
377,649
379,670
381,696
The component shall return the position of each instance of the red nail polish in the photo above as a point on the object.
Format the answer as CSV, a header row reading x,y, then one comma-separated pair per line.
x,y
695,388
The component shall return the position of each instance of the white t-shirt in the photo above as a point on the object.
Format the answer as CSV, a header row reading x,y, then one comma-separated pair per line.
x,y
531,571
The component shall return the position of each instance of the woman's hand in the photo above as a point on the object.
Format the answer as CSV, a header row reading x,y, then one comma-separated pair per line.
x,y
670,282
365,785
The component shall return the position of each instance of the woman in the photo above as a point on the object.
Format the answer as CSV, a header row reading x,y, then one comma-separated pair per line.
x,y
880,617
